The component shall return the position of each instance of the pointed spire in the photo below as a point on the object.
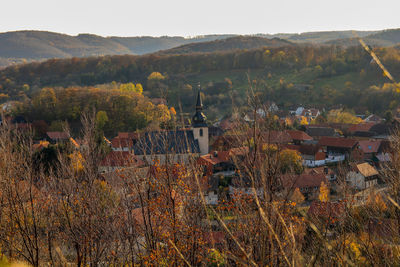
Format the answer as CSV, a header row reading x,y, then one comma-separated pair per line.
x,y
199,119
199,103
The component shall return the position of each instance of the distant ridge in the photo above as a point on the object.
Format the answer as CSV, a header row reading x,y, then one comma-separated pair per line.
x,y
227,45
389,37
26,46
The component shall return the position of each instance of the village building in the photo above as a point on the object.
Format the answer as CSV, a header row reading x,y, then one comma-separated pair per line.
x,y
317,132
57,137
370,148
299,137
176,145
308,184
118,160
362,176
339,149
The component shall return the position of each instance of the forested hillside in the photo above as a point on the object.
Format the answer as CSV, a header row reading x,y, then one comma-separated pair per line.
x,y
22,46
326,76
26,46
229,44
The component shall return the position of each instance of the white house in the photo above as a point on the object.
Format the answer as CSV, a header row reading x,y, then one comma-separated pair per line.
x,y
362,176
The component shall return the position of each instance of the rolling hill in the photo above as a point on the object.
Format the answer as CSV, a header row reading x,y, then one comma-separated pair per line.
x,y
25,46
229,44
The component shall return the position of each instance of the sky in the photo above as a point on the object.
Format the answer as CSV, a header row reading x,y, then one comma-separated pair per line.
x,y
192,18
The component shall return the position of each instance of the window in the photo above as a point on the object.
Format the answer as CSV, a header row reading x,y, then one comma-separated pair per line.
x,y
201,132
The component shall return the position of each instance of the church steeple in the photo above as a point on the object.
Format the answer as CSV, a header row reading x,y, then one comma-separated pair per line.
x,y
199,103
199,119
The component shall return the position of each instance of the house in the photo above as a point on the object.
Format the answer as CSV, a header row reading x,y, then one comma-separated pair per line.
x,y
299,137
57,137
308,184
374,118
119,160
361,129
370,148
362,176
310,114
221,162
318,132
275,137
299,111
382,130
124,141
339,149
121,144
313,155
328,172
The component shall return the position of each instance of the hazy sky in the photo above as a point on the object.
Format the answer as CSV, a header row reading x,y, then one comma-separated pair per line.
x,y
189,18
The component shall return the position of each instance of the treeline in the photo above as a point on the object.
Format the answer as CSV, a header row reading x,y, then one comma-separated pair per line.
x,y
321,76
98,70
120,107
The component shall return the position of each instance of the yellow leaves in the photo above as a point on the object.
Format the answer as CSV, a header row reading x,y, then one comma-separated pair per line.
x,y
131,87
376,202
303,120
323,192
76,161
163,113
269,147
337,116
156,76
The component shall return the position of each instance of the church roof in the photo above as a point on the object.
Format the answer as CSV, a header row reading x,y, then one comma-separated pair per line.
x,y
163,142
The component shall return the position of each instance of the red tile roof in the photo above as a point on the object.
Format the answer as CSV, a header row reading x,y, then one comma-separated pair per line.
x,y
299,135
121,159
276,137
337,142
370,146
304,180
362,127
216,157
118,142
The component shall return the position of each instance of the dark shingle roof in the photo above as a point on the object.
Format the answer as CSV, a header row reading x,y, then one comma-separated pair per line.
x,y
320,131
163,142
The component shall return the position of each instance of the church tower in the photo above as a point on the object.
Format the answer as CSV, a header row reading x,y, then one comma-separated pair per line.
x,y
200,128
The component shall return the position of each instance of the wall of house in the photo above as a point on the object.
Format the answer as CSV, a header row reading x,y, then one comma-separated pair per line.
x,y
313,163
356,180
